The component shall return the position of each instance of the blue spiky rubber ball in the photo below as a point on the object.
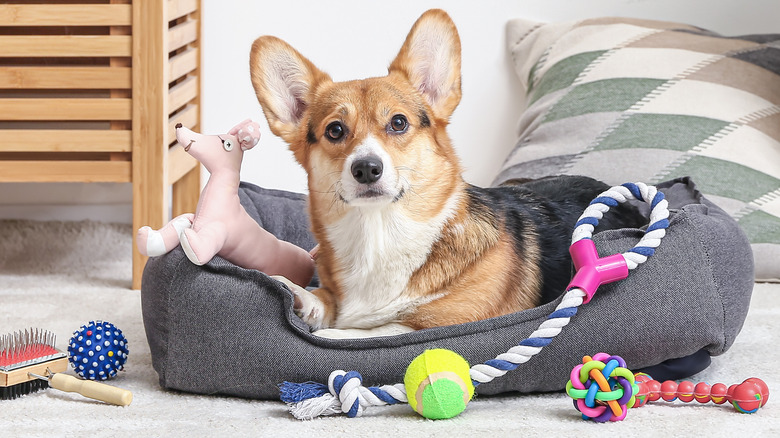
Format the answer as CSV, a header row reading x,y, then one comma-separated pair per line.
x,y
97,351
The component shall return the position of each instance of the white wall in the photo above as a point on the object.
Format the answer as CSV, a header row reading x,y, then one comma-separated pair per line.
x,y
356,38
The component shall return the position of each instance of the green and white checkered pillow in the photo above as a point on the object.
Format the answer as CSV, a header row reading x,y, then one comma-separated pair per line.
x,y
636,100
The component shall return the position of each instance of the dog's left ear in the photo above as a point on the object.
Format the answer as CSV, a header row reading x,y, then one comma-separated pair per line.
x,y
430,60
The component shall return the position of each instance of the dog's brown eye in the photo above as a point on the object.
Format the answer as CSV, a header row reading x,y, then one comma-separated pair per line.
x,y
334,131
399,124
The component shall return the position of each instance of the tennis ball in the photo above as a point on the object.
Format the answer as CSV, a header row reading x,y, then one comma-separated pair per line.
x,y
438,384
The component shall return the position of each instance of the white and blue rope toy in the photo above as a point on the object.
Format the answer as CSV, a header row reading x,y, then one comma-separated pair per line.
x,y
345,393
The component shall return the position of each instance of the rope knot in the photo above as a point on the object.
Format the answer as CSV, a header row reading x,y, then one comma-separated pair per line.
x,y
346,386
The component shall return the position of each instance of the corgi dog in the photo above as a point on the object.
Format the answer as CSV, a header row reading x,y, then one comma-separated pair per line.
x,y
404,242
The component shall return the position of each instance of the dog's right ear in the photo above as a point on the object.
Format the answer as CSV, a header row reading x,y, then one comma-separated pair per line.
x,y
284,82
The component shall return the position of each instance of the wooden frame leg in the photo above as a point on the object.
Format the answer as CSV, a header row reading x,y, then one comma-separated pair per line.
x,y
164,183
150,207
150,122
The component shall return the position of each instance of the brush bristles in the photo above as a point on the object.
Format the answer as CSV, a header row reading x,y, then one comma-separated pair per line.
x,y
24,346
18,390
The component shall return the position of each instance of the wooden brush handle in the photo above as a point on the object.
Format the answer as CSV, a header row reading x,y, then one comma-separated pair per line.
x,y
91,389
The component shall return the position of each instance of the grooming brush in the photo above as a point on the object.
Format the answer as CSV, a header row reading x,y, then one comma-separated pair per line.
x,y
29,362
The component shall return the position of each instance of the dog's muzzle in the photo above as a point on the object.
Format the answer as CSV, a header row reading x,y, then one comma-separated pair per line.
x,y
370,184
367,170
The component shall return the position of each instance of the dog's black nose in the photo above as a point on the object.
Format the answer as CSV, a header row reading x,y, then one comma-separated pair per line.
x,y
367,170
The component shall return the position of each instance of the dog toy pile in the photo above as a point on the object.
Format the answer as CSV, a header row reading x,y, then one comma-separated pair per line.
x,y
30,362
344,392
603,390
97,350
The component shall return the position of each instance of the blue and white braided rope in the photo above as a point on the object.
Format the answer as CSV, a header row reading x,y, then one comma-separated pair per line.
x,y
573,298
656,229
345,392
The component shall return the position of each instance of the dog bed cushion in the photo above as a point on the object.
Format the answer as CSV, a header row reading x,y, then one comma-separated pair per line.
x,y
222,329
622,99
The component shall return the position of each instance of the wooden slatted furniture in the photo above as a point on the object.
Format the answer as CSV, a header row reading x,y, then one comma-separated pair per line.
x,y
90,91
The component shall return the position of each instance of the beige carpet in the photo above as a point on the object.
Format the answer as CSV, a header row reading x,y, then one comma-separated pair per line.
x,y
59,276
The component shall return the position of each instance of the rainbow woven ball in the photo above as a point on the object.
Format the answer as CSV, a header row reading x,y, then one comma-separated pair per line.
x,y
97,350
603,388
438,384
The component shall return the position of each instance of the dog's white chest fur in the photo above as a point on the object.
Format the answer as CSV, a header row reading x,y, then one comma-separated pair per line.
x,y
378,250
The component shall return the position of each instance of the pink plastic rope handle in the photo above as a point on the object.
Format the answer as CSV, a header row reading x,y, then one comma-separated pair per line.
x,y
593,271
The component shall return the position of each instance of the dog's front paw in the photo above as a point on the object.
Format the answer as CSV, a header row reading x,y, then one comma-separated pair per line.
x,y
248,134
306,305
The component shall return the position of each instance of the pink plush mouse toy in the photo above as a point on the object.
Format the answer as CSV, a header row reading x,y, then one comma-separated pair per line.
x,y
220,224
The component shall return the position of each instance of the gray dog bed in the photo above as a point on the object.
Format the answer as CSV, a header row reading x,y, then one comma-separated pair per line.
x,y
221,329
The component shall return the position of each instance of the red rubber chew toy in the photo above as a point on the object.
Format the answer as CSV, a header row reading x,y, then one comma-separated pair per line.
x,y
746,397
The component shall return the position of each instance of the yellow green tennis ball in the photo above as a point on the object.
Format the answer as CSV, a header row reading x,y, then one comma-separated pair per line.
x,y
438,384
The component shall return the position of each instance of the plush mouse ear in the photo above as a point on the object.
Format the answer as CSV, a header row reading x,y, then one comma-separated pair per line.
x,y
284,81
430,59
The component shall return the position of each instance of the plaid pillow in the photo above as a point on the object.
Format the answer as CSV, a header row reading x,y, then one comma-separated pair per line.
x,y
636,100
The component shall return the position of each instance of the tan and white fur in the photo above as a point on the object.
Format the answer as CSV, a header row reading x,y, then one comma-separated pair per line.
x,y
404,242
